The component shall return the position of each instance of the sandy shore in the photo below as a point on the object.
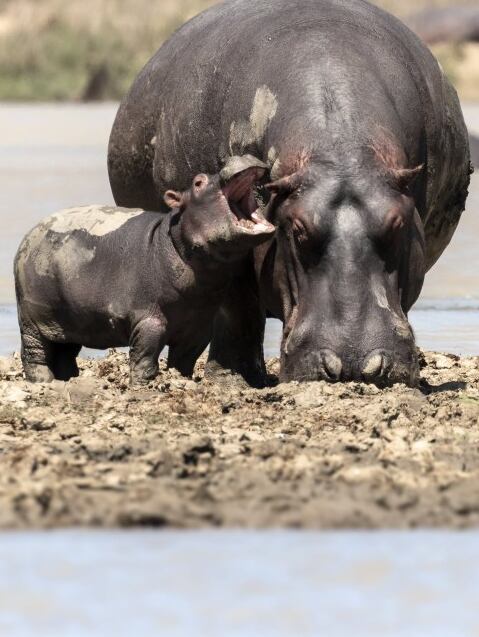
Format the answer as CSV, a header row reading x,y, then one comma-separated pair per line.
x,y
190,453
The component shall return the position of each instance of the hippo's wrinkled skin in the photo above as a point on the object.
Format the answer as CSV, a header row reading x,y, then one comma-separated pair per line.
x,y
108,277
369,172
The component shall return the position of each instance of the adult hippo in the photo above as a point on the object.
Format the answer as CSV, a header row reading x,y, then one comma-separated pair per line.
x,y
369,173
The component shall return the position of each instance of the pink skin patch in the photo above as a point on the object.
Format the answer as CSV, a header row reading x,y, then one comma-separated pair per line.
x,y
392,158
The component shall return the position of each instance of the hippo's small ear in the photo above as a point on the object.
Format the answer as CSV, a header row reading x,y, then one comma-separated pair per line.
x,y
173,199
405,176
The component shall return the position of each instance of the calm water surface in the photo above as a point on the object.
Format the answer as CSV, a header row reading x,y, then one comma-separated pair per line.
x,y
239,584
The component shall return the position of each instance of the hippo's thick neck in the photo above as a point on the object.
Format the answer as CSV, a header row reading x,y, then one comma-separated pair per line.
x,y
204,270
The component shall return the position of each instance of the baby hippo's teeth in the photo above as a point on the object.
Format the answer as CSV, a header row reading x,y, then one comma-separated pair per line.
x,y
245,223
263,226
257,217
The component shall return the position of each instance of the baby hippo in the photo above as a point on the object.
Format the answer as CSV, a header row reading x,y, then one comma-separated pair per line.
x,y
105,277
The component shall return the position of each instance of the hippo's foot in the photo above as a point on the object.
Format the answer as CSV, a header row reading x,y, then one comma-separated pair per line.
x,y
236,349
64,364
236,377
140,375
38,373
146,343
236,357
37,354
183,356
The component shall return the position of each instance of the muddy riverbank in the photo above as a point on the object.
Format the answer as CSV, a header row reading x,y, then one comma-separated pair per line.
x,y
190,453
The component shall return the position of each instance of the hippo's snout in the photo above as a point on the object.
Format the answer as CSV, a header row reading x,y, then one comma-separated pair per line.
x,y
381,367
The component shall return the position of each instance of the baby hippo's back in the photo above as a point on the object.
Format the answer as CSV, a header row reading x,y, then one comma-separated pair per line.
x,y
77,273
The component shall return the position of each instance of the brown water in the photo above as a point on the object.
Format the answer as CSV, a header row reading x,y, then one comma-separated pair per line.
x,y
54,156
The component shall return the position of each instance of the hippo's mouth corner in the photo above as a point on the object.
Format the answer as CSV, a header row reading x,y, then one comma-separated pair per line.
x,y
250,222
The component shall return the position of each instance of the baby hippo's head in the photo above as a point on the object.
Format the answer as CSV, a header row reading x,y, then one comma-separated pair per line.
x,y
218,216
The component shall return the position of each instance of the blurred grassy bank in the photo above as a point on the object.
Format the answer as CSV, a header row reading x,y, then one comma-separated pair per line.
x,y
92,49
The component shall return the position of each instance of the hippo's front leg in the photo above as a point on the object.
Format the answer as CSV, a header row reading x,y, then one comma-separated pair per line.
x,y
146,342
237,344
183,356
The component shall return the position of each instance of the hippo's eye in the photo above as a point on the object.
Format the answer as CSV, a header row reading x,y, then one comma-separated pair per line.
x,y
296,193
397,217
299,231
394,223
391,234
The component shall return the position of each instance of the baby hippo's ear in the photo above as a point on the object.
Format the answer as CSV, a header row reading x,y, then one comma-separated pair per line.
x,y
173,199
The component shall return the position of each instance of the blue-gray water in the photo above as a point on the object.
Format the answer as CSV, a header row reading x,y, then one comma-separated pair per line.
x,y
450,325
239,584
231,584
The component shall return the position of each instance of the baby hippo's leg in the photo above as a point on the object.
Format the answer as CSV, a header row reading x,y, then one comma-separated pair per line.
x,y
146,342
36,355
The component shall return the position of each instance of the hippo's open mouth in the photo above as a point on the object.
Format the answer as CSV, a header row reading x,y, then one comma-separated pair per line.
x,y
244,210
250,222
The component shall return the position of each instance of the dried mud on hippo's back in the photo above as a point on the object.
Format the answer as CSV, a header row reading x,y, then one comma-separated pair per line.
x,y
189,453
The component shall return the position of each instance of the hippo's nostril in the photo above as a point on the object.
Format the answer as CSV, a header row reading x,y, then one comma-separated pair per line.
x,y
373,366
331,364
376,367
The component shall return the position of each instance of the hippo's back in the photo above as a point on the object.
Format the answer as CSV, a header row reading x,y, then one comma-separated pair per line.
x,y
179,105
242,75
54,259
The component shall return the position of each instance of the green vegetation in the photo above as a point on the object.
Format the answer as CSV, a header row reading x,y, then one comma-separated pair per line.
x,y
81,49
92,49
64,64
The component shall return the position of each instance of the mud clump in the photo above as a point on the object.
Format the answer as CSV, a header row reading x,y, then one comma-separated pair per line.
x,y
192,453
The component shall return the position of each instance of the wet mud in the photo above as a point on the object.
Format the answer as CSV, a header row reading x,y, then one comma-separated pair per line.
x,y
192,453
